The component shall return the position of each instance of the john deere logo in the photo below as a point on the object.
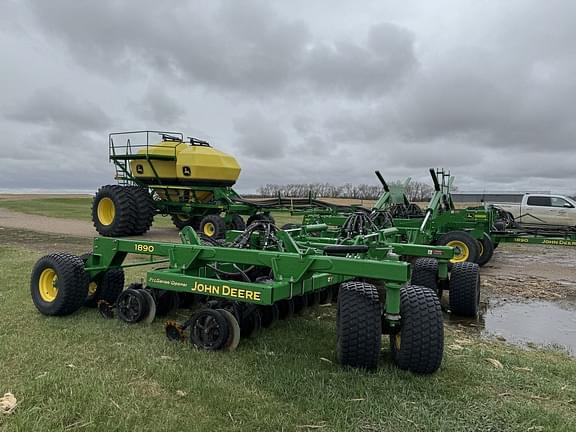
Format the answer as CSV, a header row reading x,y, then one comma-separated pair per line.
x,y
186,171
139,169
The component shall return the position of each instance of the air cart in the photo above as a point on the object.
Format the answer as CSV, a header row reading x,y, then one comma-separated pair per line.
x,y
164,173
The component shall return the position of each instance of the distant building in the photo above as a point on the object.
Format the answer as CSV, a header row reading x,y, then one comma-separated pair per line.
x,y
497,197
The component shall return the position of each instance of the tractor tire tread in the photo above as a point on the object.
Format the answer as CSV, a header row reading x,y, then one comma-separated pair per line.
x,y
464,289
359,325
425,273
126,211
145,209
72,284
422,331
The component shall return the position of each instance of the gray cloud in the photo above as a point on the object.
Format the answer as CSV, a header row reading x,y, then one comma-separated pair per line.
x,y
243,46
298,92
157,107
259,137
58,108
386,58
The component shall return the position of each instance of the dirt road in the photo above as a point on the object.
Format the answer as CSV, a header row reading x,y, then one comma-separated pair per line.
x,y
71,227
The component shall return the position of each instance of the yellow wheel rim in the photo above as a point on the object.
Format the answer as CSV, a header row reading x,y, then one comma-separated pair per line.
x,y
47,285
92,287
209,229
461,253
397,341
106,211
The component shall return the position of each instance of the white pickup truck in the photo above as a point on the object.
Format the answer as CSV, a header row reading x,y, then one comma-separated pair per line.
x,y
540,209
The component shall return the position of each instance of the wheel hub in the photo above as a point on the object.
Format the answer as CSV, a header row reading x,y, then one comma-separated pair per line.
x,y
106,211
461,253
48,285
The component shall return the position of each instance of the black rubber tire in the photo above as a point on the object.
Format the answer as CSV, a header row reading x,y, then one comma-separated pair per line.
x,y
485,250
237,223
222,331
72,284
419,345
125,211
464,288
109,286
260,217
145,209
462,237
218,230
425,273
358,325
181,221
139,298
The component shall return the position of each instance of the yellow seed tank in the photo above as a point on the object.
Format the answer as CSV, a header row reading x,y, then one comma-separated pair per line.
x,y
177,163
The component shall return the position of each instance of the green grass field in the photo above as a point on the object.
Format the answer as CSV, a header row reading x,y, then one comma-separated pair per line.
x,y
80,208
89,374
86,373
67,208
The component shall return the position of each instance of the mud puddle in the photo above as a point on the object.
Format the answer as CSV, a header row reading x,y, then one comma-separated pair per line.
x,y
543,323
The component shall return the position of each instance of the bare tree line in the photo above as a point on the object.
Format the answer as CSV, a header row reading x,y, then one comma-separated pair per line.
x,y
416,191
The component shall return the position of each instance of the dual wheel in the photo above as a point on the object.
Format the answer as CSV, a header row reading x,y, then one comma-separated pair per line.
x,y
463,284
122,210
60,286
416,344
467,248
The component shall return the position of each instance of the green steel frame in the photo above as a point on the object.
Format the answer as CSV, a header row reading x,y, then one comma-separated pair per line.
x,y
301,269
441,217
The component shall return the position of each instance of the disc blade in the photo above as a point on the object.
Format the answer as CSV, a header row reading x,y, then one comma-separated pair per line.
x,y
234,327
149,318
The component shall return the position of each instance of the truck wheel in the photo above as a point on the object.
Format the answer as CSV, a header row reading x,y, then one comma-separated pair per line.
x,y
145,209
114,211
425,273
237,223
419,345
464,288
213,226
358,325
59,285
485,250
465,245
180,221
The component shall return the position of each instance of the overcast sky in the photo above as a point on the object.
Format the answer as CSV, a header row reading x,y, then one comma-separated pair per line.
x,y
299,91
